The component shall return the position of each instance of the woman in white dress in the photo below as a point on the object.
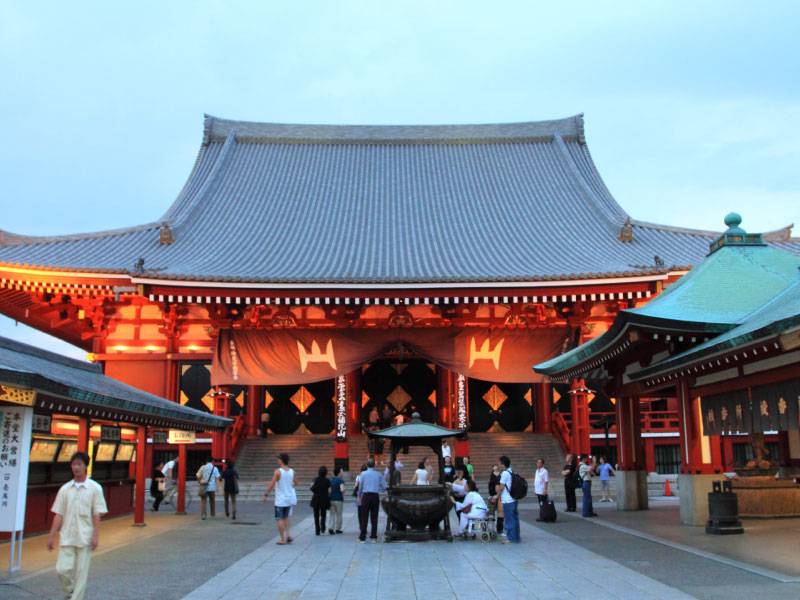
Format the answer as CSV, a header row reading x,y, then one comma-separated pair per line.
x,y
421,476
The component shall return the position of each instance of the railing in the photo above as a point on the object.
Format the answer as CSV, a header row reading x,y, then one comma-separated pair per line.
x,y
666,420
561,430
236,434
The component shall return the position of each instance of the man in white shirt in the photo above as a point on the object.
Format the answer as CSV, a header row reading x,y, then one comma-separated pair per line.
x,y
472,507
447,452
78,507
511,516
169,471
208,476
541,482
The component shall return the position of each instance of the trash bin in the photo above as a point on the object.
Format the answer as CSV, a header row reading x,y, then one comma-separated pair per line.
x,y
723,510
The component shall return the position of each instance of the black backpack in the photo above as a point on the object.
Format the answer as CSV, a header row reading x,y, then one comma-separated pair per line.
x,y
519,487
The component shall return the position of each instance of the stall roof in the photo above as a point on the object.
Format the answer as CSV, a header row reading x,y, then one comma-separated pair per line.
x,y
85,390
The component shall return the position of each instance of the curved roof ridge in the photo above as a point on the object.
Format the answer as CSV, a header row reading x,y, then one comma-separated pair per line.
x,y
676,229
605,207
184,197
783,234
195,201
217,129
8,238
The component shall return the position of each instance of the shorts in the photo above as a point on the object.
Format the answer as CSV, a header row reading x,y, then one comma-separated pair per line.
x,y
283,512
604,484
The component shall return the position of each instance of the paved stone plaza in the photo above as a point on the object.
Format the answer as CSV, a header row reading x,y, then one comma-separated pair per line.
x,y
184,557
336,567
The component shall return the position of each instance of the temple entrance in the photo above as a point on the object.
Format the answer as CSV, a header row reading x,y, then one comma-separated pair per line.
x,y
305,408
500,406
395,387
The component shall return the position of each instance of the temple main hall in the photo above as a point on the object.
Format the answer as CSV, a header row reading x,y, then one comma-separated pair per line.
x,y
309,277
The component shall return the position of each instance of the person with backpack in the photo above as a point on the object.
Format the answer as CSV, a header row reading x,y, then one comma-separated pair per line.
x,y
230,478
512,488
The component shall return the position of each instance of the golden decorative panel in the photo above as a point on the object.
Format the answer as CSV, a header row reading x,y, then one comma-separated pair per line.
x,y
495,397
399,398
302,399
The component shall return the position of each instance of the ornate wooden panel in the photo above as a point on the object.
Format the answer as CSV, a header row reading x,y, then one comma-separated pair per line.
x,y
499,406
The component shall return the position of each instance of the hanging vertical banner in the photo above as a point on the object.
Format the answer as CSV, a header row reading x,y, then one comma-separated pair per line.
x,y
15,447
341,408
461,401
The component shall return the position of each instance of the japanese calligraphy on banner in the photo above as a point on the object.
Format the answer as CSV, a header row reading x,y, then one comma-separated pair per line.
x,y
258,357
341,408
461,401
15,448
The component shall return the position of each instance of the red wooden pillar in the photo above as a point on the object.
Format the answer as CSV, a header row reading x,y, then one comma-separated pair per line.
x,y
219,438
83,434
444,379
542,407
354,402
699,454
181,507
650,455
255,404
630,449
579,408
139,497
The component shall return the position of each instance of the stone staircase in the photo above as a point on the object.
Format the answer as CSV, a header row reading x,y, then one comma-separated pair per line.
x,y
258,460
523,448
359,454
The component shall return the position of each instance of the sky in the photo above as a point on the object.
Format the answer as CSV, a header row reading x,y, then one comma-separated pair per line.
x,y
692,109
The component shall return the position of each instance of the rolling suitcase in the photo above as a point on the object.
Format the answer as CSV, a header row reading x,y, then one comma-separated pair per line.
x,y
547,512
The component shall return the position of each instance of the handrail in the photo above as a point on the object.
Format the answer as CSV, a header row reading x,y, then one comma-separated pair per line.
x,y
236,434
561,430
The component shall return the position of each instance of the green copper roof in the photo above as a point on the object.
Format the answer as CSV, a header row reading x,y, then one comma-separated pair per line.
x,y
775,318
726,287
740,275
415,429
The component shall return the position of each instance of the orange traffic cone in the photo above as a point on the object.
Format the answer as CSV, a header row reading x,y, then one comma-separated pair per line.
x,y
667,489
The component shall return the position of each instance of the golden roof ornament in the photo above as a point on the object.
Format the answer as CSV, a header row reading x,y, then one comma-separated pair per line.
x,y
626,232
165,237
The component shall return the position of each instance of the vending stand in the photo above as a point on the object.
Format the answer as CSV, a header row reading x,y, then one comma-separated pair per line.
x,y
52,406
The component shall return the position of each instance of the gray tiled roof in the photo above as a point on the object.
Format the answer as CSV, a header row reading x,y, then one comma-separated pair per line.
x,y
383,204
84,383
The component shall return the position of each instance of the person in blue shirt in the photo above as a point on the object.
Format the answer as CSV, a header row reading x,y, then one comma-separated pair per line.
x,y
337,500
606,472
370,484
